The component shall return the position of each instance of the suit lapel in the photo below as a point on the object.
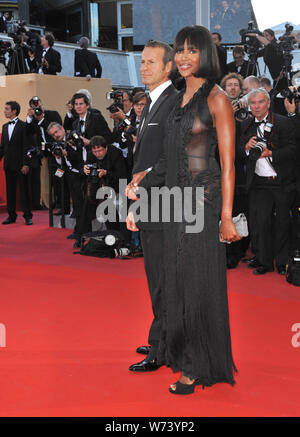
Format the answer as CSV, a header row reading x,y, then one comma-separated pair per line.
x,y
150,116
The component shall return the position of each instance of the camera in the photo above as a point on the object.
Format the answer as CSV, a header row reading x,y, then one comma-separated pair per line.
x,y
75,140
256,151
127,129
57,148
251,43
291,95
286,40
117,96
93,176
242,113
34,151
38,111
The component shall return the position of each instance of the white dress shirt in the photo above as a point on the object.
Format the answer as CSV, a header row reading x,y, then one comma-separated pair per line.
x,y
11,127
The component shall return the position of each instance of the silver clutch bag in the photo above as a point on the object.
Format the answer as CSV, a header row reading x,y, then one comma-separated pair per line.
x,y
241,225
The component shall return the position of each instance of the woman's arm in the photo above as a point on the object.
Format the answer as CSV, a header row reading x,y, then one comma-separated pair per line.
x,y
222,113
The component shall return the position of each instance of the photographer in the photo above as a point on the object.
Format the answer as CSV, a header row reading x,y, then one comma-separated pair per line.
x,y
71,154
292,106
88,123
232,84
37,122
128,129
268,143
120,110
240,65
104,166
50,61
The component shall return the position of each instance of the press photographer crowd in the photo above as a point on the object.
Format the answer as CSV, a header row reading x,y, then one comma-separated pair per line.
x,y
83,154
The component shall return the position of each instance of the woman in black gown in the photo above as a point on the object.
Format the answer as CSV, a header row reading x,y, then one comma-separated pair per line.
x,y
196,334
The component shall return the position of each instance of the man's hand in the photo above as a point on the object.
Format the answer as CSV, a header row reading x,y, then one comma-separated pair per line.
x,y
30,112
25,169
290,107
130,223
85,141
133,185
251,143
101,173
266,153
86,170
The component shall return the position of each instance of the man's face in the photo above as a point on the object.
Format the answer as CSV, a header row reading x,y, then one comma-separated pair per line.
x,y
99,152
233,88
127,104
8,113
139,106
57,133
259,105
215,39
45,43
81,107
268,36
238,59
153,70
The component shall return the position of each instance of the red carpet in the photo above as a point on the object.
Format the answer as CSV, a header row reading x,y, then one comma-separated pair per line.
x,y
73,323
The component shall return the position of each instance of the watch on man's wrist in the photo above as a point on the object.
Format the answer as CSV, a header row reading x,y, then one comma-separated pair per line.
x,y
291,114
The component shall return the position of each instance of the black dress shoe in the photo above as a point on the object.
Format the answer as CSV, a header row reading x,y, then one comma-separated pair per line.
x,y
232,263
254,264
248,260
281,270
72,236
144,366
28,221
76,245
261,270
8,221
143,350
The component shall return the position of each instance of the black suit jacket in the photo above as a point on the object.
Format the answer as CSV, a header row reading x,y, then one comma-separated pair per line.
x,y
283,146
246,70
14,150
95,125
86,63
150,139
53,58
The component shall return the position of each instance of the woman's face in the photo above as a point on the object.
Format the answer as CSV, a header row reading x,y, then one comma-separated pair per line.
x,y
139,106
187,61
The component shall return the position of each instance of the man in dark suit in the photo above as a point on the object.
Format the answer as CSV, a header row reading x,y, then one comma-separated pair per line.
x,y
270,182
88,123
222,54
86,63
156,68
240,65
50,62
16,163
37,122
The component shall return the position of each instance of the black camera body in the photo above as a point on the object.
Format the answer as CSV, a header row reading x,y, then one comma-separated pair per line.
x,y
57,148
34,152
75,140
256,151
242,113
38,111
291,95
93,176
117,96
251,43
286,40
127,129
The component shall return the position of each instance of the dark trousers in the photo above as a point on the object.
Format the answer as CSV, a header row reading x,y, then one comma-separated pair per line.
x,y
12,179
57,188
270,220
76,191
35,186
152,245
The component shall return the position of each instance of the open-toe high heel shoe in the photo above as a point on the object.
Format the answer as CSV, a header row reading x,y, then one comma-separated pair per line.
x,y
184,389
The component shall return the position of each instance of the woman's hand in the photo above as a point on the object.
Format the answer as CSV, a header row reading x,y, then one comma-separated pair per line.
x,y
228,231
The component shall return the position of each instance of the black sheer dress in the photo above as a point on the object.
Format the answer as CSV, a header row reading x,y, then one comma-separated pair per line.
x,y
196,334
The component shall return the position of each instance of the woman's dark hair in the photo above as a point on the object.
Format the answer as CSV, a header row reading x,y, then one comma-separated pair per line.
x,y
198,37
14,106
98,141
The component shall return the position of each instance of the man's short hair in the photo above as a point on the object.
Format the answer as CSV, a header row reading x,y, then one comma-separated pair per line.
x,y
139,96
238,50
231,76
50,38
218,35
256,91
253,80
54,124
80,96
98,141
168,51
265,81
84,42
14,106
